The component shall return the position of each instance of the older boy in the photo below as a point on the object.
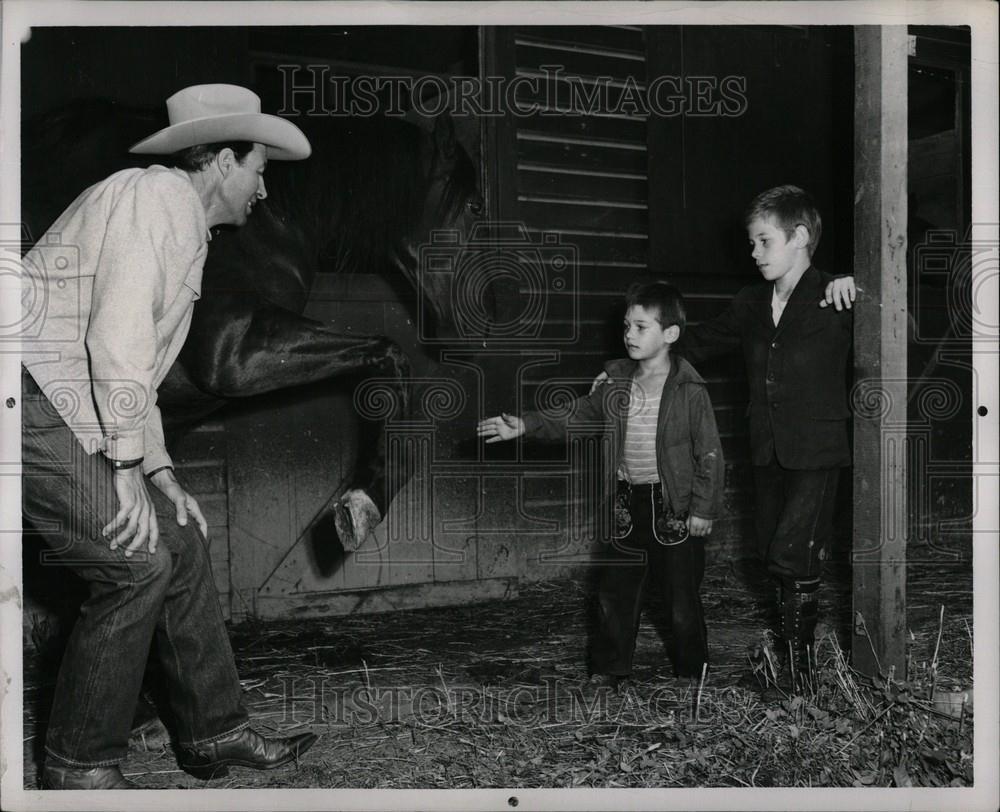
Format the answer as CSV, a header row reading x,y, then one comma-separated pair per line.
x,y
666,481
796,352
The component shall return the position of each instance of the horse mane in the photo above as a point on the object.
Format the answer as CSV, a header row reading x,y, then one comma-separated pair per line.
x,y
380,164
460,183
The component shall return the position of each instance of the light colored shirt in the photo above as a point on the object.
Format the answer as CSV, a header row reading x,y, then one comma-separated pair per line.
x,y
639,458
120,271
777,307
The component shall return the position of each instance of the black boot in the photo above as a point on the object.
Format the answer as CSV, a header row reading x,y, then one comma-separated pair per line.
x,y
245,748
766,656
58,776
799,612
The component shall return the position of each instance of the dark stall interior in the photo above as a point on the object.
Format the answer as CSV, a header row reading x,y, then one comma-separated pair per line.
x,y
623,195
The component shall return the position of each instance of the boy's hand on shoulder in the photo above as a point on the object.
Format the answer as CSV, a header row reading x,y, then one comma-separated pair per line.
x,y
840,293
598,381
698,526
504,427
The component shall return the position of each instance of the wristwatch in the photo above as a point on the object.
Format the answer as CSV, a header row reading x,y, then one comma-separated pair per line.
x,y
121,465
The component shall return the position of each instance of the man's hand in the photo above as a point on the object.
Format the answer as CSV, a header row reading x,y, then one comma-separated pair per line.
x,y
184,502
136,515
598,381
840,293
698,526
504,427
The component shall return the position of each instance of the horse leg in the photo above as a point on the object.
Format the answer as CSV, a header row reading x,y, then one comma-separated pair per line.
x,y
365,502
239,350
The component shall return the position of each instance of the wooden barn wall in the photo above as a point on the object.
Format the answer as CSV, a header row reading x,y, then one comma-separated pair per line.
x,y
576,183
640,195
582,177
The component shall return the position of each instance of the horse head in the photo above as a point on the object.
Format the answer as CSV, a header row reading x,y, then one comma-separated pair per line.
x,y
374,193
452,205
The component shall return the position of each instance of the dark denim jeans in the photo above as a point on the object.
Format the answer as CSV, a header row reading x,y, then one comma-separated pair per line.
x,y
169,597
629,565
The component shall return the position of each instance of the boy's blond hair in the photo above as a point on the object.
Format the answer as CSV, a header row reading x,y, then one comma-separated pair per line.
x,y
789,206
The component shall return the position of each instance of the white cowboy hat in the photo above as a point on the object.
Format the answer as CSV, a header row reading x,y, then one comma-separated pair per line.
x,y
206,114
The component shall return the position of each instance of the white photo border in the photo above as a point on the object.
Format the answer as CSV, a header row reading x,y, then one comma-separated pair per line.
x,y
18,16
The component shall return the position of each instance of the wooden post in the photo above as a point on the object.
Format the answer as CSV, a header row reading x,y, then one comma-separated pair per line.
x,y
880,526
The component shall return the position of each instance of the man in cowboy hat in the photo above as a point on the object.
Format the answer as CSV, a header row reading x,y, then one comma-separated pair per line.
x,y
119,299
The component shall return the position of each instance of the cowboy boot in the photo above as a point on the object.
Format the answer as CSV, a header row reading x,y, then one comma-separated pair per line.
x,y
799,614
245,748
59,776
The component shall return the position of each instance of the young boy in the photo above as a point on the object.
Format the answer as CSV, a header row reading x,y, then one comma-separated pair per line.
x,y
665,485
796,352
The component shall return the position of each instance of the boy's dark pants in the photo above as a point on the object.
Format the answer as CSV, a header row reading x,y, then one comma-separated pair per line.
x,y
629,565
794,525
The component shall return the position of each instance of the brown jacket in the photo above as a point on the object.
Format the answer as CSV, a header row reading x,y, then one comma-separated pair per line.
x,y
688,450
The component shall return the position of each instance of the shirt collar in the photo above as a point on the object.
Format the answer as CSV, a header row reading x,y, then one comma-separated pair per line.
x,y
204,220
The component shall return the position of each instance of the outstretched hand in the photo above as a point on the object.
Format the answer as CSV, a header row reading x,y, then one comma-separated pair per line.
x,y
840,293
504,427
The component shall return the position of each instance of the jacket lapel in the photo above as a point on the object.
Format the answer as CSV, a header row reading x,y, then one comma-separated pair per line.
x,y
761,304
666,396
803,298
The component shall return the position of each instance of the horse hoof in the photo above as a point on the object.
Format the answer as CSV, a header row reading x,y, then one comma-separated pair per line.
x,y
355,517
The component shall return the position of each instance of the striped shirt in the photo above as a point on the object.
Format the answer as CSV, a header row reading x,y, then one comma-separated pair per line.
x,y
639,459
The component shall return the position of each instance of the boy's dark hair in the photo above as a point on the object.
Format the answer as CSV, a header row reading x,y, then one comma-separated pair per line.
x,y
196,158
661,295
790,207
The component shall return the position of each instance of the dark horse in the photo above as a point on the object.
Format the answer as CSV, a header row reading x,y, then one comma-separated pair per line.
x,y
367,199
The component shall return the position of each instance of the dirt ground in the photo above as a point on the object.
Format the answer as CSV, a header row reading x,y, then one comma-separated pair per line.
x,y
495,695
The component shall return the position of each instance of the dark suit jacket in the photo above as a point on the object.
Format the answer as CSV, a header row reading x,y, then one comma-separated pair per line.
x,y
797,371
